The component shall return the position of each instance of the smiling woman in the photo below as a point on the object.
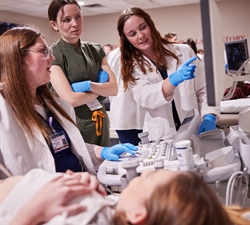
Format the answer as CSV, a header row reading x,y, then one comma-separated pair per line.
x,y
165,79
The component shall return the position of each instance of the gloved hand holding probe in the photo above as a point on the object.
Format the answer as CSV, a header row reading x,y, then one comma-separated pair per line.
x,y
113,153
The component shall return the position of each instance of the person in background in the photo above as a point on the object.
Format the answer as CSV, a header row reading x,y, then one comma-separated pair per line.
x,y
171,37
201,52
108,48
37,128
192,45
172,198
161,76
124,106
80,73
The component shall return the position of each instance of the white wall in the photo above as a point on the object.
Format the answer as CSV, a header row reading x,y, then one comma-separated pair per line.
x,y
184,20
166,19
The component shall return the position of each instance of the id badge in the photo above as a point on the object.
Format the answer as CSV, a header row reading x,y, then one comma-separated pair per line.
x,y
59,141
94,105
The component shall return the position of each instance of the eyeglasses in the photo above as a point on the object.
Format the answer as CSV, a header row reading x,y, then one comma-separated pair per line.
x,y
47,52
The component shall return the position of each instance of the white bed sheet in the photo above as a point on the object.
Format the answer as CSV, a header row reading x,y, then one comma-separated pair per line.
x,y
234,105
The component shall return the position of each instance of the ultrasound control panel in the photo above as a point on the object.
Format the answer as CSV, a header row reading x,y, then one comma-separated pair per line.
x,y
155,154
217,164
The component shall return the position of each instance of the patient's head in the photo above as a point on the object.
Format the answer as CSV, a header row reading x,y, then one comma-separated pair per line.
x,y
169,198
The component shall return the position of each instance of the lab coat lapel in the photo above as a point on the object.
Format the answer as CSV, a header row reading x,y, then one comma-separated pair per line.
x,y
172,65
38,135
172,62
156,76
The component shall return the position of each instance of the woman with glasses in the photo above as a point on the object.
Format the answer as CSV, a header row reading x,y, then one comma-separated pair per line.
x,y
38,129
75,74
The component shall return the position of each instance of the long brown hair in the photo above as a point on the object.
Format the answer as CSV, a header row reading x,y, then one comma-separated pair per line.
x,y
185,200
13,48
129,53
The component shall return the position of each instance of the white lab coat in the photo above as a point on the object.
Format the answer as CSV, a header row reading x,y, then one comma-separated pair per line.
x,y
125,113
20,154
190,94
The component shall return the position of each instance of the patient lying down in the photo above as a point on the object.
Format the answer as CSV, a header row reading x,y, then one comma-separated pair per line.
x,y
160,197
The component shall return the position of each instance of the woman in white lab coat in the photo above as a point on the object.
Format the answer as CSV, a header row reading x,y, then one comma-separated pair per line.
x,y
158,72
126,115
37,129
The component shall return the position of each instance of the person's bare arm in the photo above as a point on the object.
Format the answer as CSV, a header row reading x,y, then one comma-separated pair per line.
x,y
64,90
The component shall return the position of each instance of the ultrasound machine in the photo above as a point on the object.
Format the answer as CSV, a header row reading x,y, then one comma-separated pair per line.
x,y
212,159
216,158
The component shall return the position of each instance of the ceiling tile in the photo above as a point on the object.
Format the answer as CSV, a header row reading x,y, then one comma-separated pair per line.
x,y
39,7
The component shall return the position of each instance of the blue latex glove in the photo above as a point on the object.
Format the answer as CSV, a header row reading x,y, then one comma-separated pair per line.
x,y
113,153
208,123
102,76
226,68
184,72
82,86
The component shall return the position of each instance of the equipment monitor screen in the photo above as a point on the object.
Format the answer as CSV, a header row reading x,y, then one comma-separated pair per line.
x,y
236,54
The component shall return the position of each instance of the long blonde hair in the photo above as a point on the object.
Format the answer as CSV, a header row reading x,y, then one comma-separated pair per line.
x,y
185,200
14,87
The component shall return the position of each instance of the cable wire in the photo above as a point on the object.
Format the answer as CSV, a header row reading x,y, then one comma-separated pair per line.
x,y
240,175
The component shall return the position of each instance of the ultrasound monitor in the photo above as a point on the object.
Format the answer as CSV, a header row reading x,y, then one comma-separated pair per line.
x,y
236,54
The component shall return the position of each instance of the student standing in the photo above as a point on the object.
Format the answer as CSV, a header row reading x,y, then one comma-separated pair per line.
x,y
163,77
192,44
75,72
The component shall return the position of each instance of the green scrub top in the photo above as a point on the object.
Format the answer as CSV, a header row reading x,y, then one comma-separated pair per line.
x,y
80,64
